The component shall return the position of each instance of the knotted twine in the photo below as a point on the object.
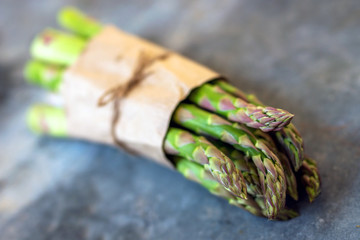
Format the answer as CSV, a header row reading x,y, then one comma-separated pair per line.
x,y
117,93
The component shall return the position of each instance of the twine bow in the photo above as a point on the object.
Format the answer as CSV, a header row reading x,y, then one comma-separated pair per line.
x,y
117,93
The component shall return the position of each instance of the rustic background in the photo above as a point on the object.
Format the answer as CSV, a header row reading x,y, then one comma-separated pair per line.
x,y
299,55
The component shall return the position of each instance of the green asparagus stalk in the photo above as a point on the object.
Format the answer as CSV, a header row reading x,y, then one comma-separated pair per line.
x,y
57,47
270,171
179,142
215,99
44,75
246,166
289,137
311,178
74,20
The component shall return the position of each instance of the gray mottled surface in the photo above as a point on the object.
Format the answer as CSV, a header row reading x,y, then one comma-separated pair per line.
x,y
303,56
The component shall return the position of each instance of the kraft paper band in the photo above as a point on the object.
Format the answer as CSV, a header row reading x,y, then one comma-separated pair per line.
x,y
110,60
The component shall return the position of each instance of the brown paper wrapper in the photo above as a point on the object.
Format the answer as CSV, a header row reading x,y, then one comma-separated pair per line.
x,y
110,60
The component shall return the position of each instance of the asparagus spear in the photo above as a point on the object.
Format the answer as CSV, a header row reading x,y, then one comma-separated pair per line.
x,y
311,178
289,137
270,171
45,75
213,98
182,143
292,143
74,20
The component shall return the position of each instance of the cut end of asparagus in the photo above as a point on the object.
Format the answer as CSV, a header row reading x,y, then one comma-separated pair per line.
x,y
31,71
57,47
44,75
45,119
78,22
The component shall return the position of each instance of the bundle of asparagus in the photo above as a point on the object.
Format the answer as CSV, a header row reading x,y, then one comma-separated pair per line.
x,y
226,140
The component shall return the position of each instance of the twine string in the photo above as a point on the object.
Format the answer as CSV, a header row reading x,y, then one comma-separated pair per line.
x,y
117,93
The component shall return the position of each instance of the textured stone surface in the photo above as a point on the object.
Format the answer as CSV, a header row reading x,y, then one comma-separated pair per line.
x,y
299,55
